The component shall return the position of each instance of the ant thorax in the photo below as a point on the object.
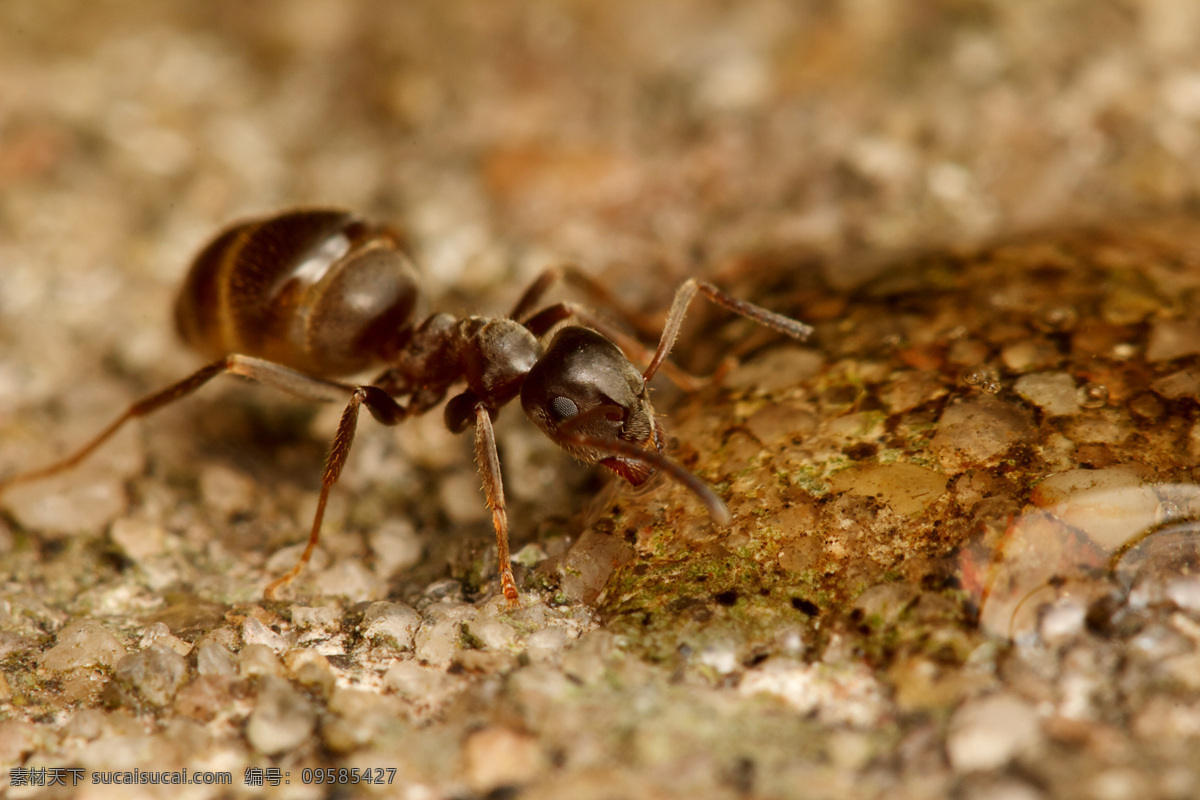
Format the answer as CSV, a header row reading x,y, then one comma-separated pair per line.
x,y
497,354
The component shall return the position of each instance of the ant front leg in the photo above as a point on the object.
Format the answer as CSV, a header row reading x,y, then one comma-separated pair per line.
x,y
683,299
493,487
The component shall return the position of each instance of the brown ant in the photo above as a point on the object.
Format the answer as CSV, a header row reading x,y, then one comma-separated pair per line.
x,y
297,299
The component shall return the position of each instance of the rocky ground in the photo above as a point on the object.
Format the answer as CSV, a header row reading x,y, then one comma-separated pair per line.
x,y
963,558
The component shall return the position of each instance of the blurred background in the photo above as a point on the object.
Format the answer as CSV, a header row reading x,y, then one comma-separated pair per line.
x,y
626,136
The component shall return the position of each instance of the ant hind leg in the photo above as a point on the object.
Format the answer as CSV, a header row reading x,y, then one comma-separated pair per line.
x,y
381,405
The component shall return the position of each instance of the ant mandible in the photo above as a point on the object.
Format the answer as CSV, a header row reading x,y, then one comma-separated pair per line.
x,y
299,299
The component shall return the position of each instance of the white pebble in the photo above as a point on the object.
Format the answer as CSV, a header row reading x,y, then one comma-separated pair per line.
x,y
214,659
85,643
254,632
315,617
1053,392
282,719
394,623
350,579
139,539
989,732
437,642
396,547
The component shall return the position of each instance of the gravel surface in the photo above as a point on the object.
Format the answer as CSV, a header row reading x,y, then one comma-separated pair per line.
x,y
963,558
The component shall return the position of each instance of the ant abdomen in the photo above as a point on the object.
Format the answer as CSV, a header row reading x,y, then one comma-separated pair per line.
x,y
318,291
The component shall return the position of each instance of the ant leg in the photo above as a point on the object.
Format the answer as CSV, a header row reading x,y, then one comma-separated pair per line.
x,y
384,409
683,298
139,409
598,295
267,372
379,402
493,487
541,322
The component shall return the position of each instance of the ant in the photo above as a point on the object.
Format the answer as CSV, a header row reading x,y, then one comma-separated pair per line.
x,y
297,300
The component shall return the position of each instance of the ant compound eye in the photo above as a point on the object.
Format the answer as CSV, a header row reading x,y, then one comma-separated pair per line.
x,y
563,408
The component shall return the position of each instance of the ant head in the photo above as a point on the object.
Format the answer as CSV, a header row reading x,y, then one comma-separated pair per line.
x,y
586,396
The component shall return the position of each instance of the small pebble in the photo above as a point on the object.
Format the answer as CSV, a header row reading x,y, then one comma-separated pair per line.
x,y
775,370
258,660
1185,592
227,490
1185,383
282,718
1110,505
437,641
12,642
906,488
1062,620
840,693
457,491
350,579
979,430
587,659
207,696
214,659
1173,338
720,658
254,632
426,688
85,500
1053,392
323,618
311,670
159,633
393,624
153,675
138,538
358,717
498,757
1029,354
84,643
545,644
493,634
396,547
990,732
16,739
